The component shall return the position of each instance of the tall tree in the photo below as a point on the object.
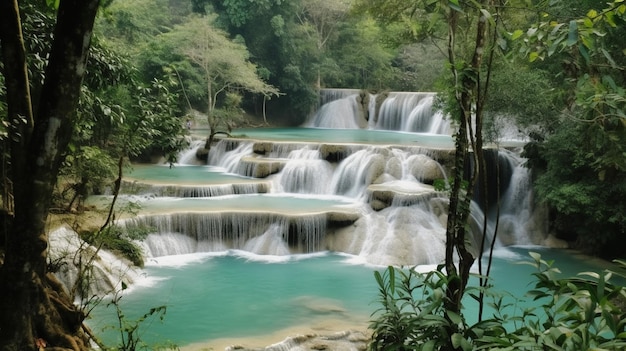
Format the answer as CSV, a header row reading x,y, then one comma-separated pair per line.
x,y
323,18
223,64
584,160
34,311
473,39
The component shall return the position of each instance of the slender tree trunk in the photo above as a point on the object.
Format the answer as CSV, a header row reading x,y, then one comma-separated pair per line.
x,y
469,135
34,310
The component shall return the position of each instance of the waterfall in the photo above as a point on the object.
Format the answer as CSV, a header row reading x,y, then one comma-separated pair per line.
x,y
402,219
188,156
400,111
265,233
338,114
517,215
228,154
395,236
305,172
107,271
356,172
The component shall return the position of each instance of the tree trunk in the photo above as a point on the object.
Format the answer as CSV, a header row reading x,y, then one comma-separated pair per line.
x,y
467,97
34,310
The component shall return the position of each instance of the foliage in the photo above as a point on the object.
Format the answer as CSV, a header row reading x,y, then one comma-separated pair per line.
x,y
584,177
411,316
523,98
570,184
130,330
120,240
222,65
86,171
570,314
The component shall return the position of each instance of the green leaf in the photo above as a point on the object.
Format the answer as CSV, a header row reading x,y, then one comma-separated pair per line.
x,y
609,58
454,4
457,340
533,56
54,4
572,37
429,346
584,52
535,255
516,34
454,317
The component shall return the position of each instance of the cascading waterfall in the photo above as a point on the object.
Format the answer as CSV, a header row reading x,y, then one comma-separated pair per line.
x,y
182,233
228,155
106,272
374,201
403,217
356,172
517,218
400,111
203,191
305,172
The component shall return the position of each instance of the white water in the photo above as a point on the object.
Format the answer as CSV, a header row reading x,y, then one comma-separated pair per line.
x,y
401,111
70,254
407,226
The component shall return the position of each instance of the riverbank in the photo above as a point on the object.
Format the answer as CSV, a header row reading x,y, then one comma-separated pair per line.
x,y
330,334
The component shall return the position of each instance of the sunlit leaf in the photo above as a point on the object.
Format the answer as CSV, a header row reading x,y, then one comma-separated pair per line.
x,y
533,56
518,33
53,4
592,14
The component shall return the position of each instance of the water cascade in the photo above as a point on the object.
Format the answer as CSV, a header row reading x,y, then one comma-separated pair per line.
x,y
354,185
369,198
399,111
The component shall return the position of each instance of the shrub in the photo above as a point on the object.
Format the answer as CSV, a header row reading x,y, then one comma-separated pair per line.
x,y
571,314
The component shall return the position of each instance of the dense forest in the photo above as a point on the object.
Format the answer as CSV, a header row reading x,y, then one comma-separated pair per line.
x,y
557,70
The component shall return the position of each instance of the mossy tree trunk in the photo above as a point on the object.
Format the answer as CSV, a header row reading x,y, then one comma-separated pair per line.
x,y
34,310
471,83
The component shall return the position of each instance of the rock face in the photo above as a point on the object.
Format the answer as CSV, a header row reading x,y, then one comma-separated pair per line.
x,y
341,341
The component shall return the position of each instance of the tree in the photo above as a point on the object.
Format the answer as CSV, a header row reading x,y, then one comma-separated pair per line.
x,y
474,37
33,308
323,18
224,64
582,163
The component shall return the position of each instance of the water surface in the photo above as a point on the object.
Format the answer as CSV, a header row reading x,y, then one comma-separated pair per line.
x,y
239,295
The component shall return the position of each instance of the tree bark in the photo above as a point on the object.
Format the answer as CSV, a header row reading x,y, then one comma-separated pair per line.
x,y
34,310
468,136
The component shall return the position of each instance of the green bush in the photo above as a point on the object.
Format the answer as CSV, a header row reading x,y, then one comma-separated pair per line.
x,y
120,240
585,312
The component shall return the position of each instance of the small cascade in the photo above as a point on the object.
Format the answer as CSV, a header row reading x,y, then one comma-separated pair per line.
x,y
305,172
188,156
328,95
198,190
356,172
517,218
266,233
107,270
228,154
269,243
338,114
396,236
